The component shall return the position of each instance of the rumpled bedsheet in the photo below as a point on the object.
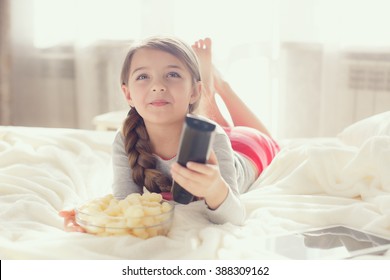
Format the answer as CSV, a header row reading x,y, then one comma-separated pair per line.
x,y
311,183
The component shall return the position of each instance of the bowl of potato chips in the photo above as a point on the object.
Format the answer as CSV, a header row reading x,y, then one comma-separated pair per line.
x,y
142,216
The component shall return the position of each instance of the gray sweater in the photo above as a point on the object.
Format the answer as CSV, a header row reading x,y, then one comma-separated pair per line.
x,y
233,166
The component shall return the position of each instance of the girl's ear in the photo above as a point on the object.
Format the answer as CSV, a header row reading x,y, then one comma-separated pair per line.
x,y
196,92
127,95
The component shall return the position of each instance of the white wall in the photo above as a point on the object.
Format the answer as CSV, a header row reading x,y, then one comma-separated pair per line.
x,y
284,58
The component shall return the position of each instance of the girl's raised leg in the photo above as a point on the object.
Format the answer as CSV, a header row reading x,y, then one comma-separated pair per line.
x,y
208,104
213,83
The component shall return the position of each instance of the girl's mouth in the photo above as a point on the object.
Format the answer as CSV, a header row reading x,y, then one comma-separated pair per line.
x,y
159,103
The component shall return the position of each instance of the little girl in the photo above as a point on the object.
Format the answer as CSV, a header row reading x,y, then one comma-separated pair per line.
x,y
162,79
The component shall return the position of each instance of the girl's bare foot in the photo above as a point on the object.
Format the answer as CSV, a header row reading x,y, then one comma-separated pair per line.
x,y
212,79
202,49
208,104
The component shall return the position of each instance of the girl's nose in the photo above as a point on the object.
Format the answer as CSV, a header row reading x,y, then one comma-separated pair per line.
x,y
158,87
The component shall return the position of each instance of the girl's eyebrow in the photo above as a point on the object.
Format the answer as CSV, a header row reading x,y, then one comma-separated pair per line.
x,y
174,66
168,66
137,69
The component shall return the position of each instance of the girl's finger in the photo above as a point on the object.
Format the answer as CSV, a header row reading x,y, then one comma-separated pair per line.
x,y
206,169
196,173
181,180
203,169
67,213
186,177
213,158
70,225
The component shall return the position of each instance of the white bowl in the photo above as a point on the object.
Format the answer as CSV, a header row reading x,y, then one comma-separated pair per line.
x,y
143,220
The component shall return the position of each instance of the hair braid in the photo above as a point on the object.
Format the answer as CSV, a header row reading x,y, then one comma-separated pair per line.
x,y
142,161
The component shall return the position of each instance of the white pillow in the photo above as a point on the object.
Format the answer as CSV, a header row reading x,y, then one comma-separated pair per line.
x,y
359,132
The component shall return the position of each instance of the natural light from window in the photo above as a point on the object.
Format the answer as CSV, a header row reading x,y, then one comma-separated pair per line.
x,y
84,21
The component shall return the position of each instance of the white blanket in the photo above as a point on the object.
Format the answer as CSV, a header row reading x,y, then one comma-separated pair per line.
x,y
311,183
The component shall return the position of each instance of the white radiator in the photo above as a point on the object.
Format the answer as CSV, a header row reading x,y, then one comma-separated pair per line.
x,y
368,82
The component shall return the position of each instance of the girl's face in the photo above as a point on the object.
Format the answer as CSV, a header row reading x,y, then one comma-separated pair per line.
x,y
160,87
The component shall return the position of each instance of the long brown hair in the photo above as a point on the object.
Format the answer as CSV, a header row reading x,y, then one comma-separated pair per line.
x,y
137,145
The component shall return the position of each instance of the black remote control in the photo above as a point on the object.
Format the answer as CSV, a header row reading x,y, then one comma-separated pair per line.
x,y
194,146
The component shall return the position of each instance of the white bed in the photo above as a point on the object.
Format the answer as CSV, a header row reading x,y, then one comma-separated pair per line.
x,y
311,183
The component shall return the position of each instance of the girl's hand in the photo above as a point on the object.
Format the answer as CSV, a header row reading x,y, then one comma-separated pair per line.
x,y
70,221
202,180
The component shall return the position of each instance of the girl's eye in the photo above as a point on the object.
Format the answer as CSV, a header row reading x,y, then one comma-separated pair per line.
x,y
173,75
142,77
